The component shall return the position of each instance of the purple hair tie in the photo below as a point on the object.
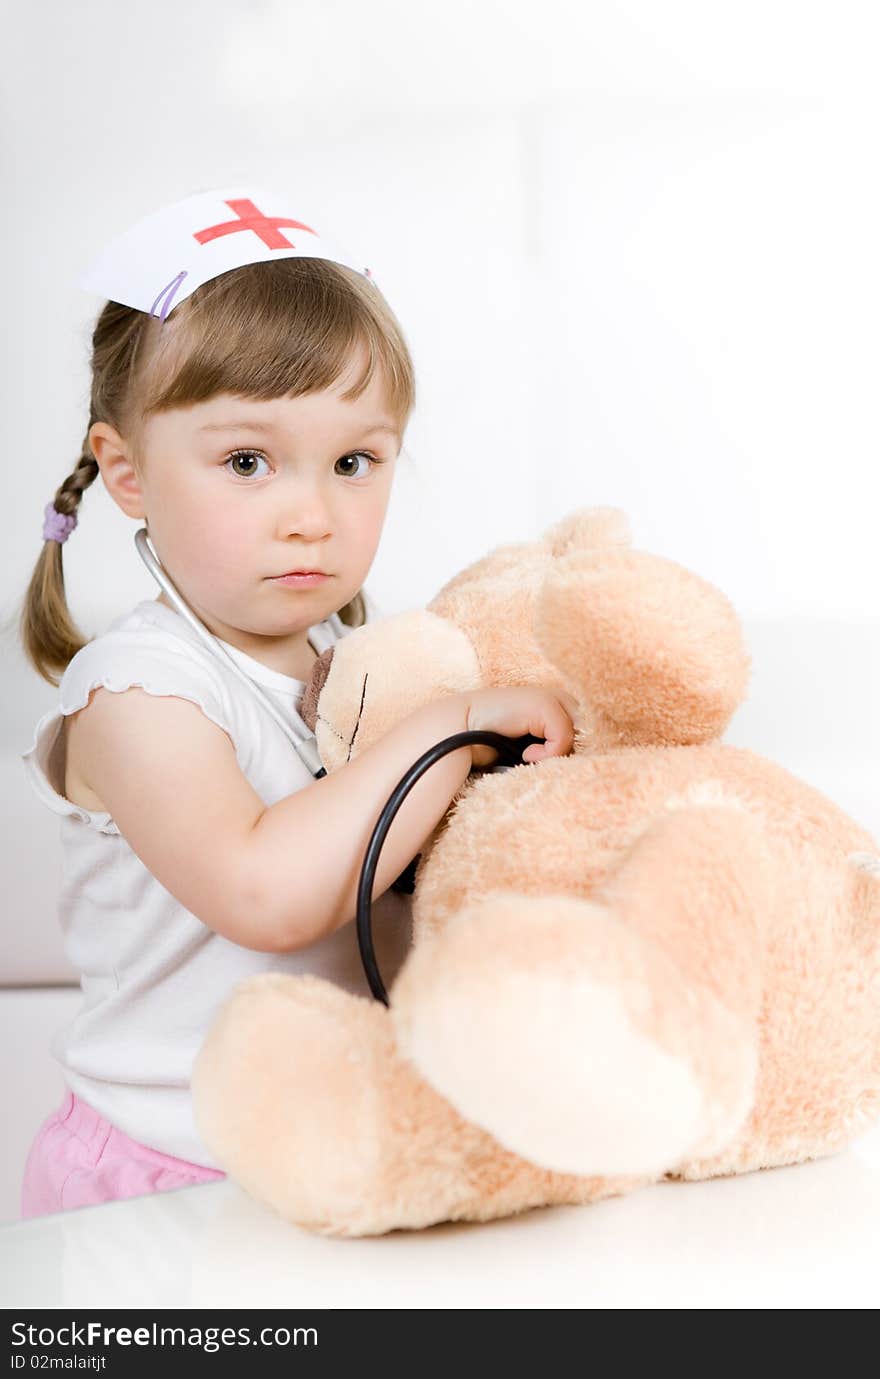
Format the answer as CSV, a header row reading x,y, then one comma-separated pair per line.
x,y
57,526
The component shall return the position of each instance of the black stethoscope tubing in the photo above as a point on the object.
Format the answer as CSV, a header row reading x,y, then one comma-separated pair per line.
x,y
508,748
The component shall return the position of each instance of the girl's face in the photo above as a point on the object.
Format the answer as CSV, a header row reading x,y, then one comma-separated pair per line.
x,y
237,491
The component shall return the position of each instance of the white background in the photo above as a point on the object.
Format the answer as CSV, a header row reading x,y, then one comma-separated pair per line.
x,y
633,248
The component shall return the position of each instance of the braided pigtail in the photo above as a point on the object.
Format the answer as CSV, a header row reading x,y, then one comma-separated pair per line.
x,y
48,633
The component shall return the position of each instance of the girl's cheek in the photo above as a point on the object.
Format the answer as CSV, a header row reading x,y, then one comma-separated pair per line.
x,y
227,542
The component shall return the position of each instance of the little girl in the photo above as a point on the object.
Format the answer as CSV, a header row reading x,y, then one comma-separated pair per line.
x,y
253,425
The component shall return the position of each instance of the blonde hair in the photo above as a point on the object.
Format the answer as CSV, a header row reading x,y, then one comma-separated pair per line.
x,y
279,328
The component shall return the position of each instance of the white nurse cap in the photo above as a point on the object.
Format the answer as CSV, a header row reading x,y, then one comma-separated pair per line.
x,y
157,263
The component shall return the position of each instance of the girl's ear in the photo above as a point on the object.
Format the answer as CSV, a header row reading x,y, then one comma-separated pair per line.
x,y
119,474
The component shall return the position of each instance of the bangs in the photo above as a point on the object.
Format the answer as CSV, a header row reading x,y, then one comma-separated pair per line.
x,y
281,328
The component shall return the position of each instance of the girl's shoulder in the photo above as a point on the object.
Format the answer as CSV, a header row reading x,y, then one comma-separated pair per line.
x,y
152,647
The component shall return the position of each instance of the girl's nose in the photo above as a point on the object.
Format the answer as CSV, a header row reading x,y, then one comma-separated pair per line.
x,y
308,518
303,501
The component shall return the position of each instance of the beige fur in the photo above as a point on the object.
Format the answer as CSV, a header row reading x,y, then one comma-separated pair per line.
x,y
658,957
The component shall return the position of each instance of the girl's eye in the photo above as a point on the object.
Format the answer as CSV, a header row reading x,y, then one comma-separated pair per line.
x,y
359,455
246,458
243,462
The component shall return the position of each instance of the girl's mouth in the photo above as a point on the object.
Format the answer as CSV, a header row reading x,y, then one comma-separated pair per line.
x,y
301,580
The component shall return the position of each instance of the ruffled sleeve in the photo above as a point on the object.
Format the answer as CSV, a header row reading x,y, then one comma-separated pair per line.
x,y
118,662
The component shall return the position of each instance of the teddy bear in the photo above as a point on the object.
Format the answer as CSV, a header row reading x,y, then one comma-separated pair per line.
x,y
656,957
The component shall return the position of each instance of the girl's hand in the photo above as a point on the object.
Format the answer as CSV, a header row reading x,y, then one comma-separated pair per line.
x,y
517,710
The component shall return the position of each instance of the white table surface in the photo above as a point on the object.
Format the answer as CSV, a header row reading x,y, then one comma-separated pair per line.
x,y
800,1236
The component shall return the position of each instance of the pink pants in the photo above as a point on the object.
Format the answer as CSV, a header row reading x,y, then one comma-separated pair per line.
x,y
78,1159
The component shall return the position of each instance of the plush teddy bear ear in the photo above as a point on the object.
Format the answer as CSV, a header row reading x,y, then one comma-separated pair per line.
x,y
308,707
587,529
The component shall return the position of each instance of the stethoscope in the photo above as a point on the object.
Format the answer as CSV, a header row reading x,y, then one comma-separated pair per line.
x,y
509,750
294,729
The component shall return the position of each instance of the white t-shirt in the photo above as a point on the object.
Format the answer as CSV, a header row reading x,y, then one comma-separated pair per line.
x,y
152,974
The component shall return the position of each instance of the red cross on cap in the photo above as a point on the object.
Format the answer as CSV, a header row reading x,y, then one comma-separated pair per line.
x,y
249,218
159,261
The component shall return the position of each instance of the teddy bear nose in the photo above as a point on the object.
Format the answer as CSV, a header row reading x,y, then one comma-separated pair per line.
x,y
308,709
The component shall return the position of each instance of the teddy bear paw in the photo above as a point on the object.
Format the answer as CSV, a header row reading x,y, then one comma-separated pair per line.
x,y
283,1094
531,1017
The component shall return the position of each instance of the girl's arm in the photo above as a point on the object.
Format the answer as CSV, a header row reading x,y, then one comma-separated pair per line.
x,y
271,879
336,815
329,824
278,878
